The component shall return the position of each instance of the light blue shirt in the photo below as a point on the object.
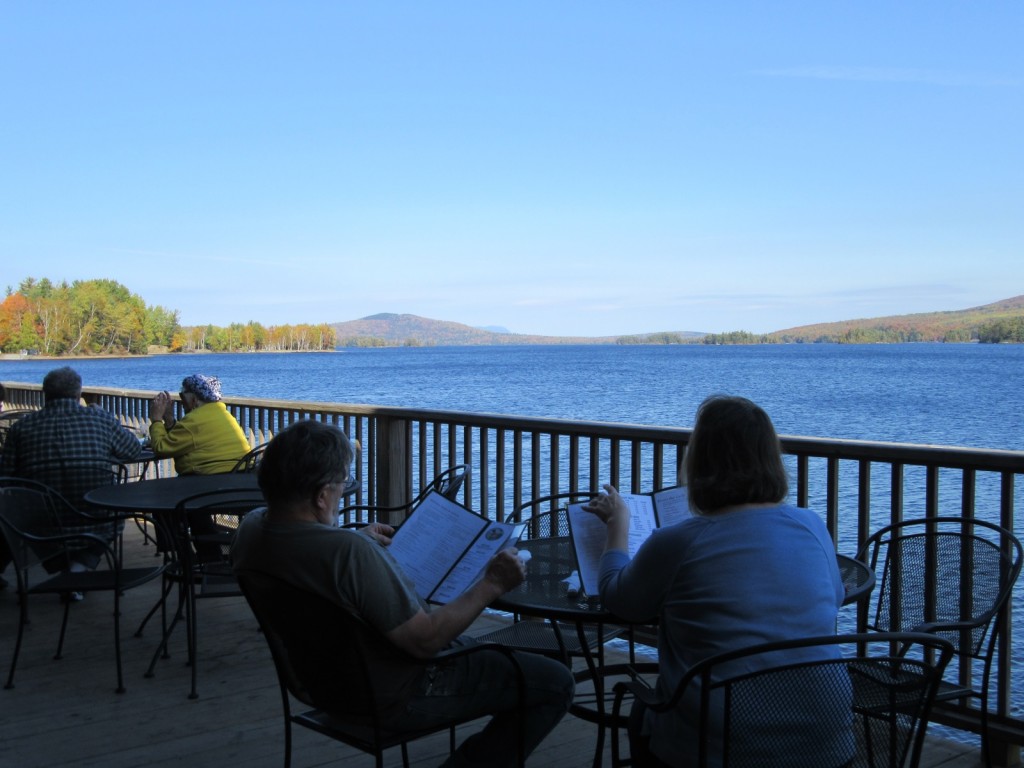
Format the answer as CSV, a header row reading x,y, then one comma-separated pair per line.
x,y
722,582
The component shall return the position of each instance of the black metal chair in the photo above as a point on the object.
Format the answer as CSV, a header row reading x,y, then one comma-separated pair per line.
x,y
448,483
195,539
953,577
251,461
34,520
789,704
7,418
319,652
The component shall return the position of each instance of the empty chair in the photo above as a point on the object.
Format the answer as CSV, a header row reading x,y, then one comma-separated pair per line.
x,y
33,520
826,702
74,476
250,461
953,577
319,653
447,483
195,539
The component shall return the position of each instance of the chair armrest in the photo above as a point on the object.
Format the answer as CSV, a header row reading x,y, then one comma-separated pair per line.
x,y
108,552
639,688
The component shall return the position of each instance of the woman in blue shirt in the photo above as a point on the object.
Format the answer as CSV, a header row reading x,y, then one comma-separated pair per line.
x,y
747,568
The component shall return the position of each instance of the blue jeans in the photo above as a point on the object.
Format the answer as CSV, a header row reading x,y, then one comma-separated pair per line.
x,y
484,683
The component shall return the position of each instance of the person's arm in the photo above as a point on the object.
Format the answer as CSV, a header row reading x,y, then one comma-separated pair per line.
x,y
634,589
170,443
427,633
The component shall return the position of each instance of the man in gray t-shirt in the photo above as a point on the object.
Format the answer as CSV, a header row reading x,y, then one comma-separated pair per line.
x,y
297,539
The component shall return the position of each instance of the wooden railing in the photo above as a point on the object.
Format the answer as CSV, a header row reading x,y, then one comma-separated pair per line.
x,y
858,485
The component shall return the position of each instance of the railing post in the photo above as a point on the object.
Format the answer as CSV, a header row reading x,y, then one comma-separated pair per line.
x,y
392,461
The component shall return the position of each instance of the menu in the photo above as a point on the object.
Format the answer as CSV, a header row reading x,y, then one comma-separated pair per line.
x,y
646,512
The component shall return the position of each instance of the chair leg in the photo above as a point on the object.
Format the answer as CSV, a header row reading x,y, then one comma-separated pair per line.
x,y
161,649
22,621
190,623
117,641
63,631
160,603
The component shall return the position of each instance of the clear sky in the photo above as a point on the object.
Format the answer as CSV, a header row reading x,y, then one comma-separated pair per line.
x,y
564,168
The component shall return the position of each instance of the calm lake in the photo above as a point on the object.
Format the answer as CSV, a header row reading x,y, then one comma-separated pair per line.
x,y
949,394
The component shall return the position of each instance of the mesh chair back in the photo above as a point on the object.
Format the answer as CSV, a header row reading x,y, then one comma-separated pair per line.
x,y
251,461
7,418
35,510
548,516
843,712
73,477
30,511
319,649
944,572
826,702
449,482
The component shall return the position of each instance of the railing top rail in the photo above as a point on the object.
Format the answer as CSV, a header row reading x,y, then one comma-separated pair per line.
x,y
800,445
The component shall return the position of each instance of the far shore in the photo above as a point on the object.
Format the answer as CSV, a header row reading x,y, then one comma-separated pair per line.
x,y
10,356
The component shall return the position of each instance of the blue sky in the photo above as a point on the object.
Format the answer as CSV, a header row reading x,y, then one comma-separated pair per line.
x,y
563,168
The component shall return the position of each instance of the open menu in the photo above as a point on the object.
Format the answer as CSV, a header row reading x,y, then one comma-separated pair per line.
x,y
444,547
646,512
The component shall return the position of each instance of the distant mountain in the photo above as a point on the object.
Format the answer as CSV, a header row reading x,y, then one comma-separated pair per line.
x,y
388,330
991,322
999,321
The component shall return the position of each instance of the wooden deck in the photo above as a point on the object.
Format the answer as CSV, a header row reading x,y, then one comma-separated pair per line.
x,y
65,713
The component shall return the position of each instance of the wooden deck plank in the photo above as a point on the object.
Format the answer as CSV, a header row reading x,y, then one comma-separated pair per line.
x,y
65,713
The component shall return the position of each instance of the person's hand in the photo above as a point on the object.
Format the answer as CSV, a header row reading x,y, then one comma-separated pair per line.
x,y
160,407
612,510
380,532
608,506
506,570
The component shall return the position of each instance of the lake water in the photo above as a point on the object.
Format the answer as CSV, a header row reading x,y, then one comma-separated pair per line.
x,y
949,394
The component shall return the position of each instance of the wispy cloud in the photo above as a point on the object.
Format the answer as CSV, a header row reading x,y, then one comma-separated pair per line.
x,y
892,75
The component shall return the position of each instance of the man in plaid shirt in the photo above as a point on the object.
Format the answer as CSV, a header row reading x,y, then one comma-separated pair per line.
x,y
71,448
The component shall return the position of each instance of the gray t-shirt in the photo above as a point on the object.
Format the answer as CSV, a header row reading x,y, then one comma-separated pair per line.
x,y
348,568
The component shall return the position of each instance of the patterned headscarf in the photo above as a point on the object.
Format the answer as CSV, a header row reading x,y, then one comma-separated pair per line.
x,y
206,388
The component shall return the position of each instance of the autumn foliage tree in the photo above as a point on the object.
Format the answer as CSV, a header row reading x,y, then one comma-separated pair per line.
x,y
100,317
86,317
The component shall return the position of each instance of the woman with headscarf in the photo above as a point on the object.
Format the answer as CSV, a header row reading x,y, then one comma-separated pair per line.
x,y
207,439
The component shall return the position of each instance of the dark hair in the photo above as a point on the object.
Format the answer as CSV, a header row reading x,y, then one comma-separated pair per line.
x,y
302,459
733,457
62,383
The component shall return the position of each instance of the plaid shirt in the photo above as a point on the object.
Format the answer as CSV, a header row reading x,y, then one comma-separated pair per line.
x,y
71,448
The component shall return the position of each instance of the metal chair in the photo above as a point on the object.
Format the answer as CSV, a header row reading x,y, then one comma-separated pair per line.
x,y
250,461
825,702
319,652
952,577
447,483
195,539
7,418
34,521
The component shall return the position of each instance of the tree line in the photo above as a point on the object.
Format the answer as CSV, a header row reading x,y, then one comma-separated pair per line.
x,y
102,317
